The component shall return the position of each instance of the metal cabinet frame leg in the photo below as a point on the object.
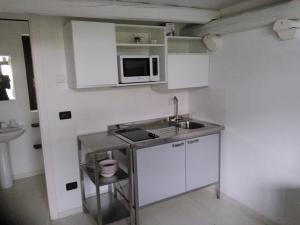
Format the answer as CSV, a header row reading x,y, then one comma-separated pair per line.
x,y
218,189
135,190
130,187
99,216
81,176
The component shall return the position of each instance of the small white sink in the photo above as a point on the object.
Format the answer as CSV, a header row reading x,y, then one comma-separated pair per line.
x,y
9,133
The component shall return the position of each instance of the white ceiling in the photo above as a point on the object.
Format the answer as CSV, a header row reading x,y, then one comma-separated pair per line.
x,y
193,11
202,4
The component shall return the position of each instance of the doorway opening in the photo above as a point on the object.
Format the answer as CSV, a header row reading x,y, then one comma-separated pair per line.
x,y
20,110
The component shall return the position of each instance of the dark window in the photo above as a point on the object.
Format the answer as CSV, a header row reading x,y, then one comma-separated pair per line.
x,y
29,72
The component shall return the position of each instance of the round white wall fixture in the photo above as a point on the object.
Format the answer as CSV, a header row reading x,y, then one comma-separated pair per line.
x,y
212,42
287,29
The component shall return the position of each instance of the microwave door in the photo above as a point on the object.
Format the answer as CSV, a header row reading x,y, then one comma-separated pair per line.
x,y
136,70
154,68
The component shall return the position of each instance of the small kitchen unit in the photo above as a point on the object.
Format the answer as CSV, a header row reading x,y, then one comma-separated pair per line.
x,y
181,159
165,158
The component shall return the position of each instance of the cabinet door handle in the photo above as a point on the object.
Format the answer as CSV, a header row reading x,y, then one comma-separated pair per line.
x,y
193,141
177,145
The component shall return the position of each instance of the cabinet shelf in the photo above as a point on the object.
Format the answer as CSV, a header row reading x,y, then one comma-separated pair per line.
x,y
126,27
183,38
119,176
139,45
187,53
111,208
142,83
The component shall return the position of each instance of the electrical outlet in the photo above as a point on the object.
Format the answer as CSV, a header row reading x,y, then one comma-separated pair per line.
x,y
65,115
71,186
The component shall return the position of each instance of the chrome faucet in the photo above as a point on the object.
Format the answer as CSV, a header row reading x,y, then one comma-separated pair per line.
x,y
175,117
175,101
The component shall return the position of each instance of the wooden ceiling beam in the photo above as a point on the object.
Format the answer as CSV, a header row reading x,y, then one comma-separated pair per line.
x,y
247,20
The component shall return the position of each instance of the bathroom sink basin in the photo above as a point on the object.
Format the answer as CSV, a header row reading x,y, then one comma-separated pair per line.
x,y
189,125
9,133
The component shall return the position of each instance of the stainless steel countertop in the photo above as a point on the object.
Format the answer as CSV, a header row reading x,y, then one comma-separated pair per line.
x,y
167,132
101,142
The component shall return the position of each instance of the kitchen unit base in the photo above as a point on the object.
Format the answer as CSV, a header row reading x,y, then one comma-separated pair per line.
x,y
112,209
204,149
179,160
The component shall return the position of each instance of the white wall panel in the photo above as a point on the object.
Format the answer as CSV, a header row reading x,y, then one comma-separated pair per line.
x,y
254,91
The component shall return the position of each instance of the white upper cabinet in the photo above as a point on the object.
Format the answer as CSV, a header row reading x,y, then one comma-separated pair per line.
x,y
188,62
187,70
91,54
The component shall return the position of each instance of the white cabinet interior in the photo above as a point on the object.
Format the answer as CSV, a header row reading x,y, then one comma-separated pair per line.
x,y
160,172
148,35
202,161
91,54
188,62
152,41
182,44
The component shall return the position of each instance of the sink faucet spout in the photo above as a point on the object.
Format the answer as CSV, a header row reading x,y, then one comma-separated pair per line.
x,y
175,99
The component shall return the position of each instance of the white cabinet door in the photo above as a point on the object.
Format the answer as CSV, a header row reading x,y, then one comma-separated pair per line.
x,y
187,70
91,54
161,172
202,161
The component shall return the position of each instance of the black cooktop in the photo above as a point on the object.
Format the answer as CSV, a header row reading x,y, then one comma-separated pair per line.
x,y
136,134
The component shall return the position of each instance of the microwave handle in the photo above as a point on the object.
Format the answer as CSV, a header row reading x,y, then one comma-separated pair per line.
x,y
152,77
151,69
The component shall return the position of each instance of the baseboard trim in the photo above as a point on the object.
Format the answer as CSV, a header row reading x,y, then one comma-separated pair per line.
x,y
69,212
73,211
28,174
250,212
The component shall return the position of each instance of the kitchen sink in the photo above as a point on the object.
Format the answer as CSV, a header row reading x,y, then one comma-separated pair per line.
x,y
189,125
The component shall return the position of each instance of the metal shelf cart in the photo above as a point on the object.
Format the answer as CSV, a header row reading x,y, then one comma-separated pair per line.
x,y
117,203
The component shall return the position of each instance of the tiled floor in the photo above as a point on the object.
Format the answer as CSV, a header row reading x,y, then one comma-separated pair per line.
x,y
26,204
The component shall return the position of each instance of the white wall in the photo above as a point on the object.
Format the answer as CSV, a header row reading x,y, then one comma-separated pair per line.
x,y
26,161
92,111
254,91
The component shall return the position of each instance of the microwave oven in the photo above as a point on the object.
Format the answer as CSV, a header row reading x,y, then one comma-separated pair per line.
x,y
138,68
